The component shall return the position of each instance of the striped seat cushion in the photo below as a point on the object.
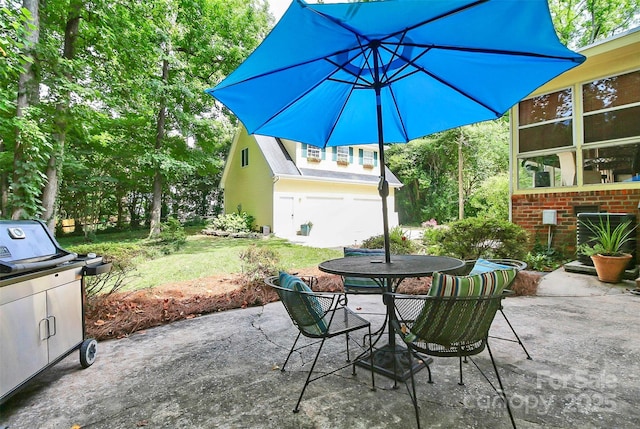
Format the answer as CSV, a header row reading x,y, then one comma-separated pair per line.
x,y
488,283
434,322
304,308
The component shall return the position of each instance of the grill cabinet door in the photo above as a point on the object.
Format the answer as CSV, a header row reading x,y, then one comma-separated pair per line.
x,y
64,311
23,340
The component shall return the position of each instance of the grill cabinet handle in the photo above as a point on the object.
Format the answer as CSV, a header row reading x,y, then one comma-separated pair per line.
x,y
43,330
49,324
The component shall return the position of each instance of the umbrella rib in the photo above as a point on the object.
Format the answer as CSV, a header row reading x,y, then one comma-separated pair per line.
x,y
405,132
358,76
487,51
419,68
436,18
290,103
335,123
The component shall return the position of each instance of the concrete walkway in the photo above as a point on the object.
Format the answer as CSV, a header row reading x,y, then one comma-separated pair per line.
x,y
221,371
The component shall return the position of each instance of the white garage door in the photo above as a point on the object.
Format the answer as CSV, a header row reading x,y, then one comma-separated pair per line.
x,y
343,220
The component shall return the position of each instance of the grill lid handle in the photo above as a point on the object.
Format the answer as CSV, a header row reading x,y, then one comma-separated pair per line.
x,y
9,267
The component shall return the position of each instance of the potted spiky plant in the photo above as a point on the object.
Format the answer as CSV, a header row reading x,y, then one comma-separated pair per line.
x,y
606,249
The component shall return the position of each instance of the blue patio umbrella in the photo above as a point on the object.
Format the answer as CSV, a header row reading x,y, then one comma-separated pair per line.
x,y
391,71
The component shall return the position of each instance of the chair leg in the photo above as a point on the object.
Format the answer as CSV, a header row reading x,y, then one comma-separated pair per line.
x,y
516,335
293,347
502,391
425,360
306,383
353,366
412,392
373,380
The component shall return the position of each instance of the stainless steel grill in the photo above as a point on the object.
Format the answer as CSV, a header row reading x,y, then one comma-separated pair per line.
x,y
41,303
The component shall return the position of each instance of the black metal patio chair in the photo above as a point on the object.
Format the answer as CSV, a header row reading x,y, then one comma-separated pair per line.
x,y
477,266
319,316
448,326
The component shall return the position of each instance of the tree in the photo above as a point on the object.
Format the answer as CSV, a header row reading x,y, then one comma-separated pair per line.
x,y
14,32
433,176
104,123
583,22
27,153
66,75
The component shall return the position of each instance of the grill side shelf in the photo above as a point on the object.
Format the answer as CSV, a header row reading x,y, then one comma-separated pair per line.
x,y
97,269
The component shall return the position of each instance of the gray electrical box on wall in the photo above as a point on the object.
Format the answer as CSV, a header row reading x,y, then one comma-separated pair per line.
x,y
549,217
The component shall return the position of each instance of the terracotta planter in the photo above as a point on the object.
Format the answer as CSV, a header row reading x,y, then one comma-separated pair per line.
x,y
610,268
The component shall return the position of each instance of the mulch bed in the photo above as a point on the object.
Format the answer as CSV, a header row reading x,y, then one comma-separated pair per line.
x,y
122,313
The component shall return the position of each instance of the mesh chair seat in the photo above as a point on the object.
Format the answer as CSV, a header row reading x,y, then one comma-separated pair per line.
x,y
344,320
448,326
320,316
481,265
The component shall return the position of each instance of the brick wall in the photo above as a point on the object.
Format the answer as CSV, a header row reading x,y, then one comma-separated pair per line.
x,y
527,212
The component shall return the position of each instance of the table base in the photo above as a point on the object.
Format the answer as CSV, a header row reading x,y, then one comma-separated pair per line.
x,y
393,362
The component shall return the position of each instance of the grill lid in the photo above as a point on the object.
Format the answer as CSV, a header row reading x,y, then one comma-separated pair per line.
x,y
27,245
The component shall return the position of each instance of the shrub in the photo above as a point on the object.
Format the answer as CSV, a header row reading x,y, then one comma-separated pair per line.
x,y
233,222
474,238
172,232
123,256
258,263
399,244
542,258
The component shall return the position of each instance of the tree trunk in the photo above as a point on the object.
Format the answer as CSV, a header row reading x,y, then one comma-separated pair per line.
x,y
156,205
50,191
27,95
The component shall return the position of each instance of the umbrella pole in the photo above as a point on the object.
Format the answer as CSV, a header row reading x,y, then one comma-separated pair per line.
x,y
383,185
383,189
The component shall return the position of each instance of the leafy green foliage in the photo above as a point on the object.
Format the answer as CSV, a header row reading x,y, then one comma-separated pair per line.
x,y
172,233
399,242
491,199
580,23
113,89
124,257
429,170
474,238
607,241
543,258
233,222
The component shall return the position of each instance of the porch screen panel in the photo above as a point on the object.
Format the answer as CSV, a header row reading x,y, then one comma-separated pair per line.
x,y
546,122
611,92
547,136
546,151
546,107
615,124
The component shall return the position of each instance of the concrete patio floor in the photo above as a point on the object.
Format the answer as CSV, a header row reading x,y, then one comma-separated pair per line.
x,y
220,371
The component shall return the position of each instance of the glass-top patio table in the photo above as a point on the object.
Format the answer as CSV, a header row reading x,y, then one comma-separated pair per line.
x,y
388,359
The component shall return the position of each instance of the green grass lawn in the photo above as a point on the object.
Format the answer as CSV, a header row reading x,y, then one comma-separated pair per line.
x,y
204,256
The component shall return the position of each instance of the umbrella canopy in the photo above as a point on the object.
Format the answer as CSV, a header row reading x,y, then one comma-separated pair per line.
x,y
392,71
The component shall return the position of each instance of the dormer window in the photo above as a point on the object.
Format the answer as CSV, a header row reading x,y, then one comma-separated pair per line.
x,y
367,158
342,155
313,153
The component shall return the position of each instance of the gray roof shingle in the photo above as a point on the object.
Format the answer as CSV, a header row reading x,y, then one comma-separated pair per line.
x,y
281,164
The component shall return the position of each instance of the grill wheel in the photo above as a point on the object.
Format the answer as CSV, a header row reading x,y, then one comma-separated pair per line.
x,y
88,351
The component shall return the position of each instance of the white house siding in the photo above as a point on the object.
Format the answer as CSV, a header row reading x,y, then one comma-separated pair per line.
x,y
341,213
